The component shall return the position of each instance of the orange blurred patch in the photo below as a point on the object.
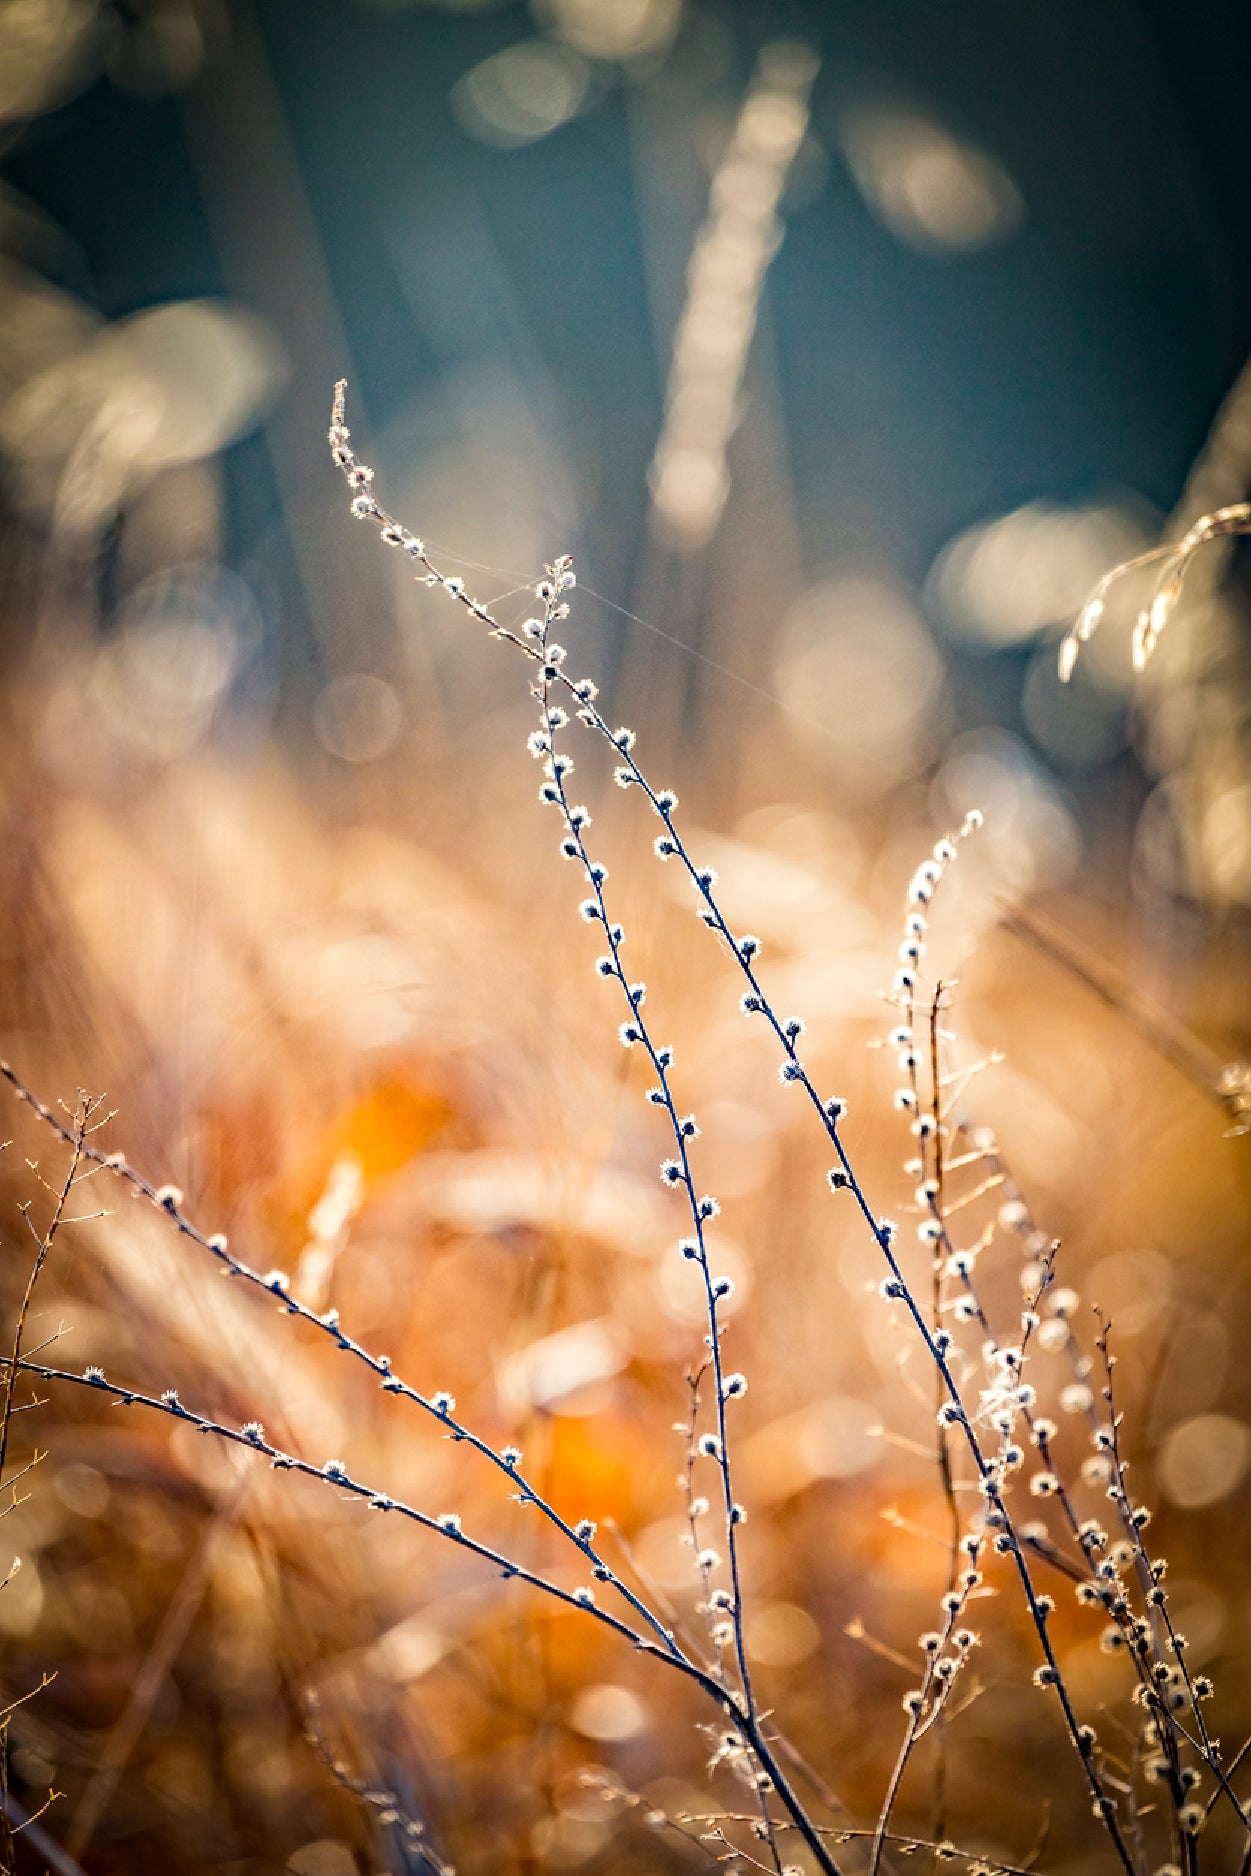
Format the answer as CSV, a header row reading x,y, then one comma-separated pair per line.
x,y
594,1464
576,1648
389,1125
382,1129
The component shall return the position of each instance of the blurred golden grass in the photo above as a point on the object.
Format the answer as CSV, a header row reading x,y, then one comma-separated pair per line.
x,y
363,1035
350,1012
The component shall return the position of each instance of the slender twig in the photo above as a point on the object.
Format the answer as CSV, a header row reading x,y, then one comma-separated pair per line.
x,y
25,1823
1173,559
949,1852
670,845
447,1525
1202,1067
275,1283
676,1172
385,1805
76,1137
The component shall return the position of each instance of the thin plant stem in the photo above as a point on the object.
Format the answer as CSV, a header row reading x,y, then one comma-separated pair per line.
x,y
76,1137
438,1405
670,844
252,1438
